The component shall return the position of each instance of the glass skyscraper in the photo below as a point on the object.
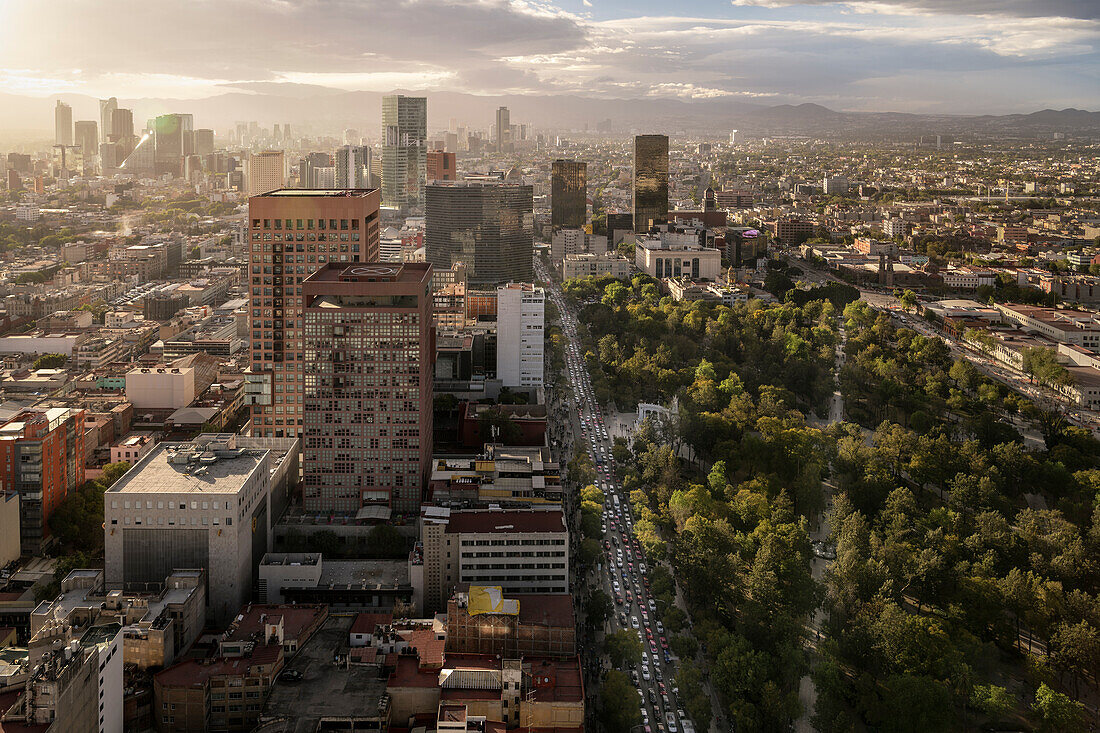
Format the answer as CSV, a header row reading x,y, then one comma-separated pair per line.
x,y
650,181
404,150
569,194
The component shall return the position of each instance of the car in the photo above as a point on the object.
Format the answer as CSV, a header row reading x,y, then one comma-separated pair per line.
x,y
633,619
618,599
670,718
616,586
661,689
291,675
657,672
645,715
645,673
652,696
652,605
664,643
668,657
660,628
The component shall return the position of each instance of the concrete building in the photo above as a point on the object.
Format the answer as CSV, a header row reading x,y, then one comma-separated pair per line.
x,y
530,553
967,278
442,166
404,150
485,620
133,448
503,130
663,257
70,679
1061,325
325,226
369,350
500,475
568,195
353,166
266,172
487,226
565,242
521,320
10,549
834,186
650,190
376,586
40,342
158,624
205,504
161,388
42,458
86,137
595,265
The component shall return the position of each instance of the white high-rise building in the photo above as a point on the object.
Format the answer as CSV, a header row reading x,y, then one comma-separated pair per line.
x,y
733,137
266,172
521,309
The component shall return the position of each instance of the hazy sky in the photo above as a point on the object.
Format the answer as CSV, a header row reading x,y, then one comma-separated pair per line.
x,y
967,56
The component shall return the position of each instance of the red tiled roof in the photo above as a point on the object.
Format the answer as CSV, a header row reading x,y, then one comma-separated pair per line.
x,y
537,520
193,673
427,646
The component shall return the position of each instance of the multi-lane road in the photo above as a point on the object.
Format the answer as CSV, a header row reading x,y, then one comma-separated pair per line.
x,y
622,572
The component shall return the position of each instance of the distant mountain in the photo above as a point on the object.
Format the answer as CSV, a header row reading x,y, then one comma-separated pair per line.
x,y
323,110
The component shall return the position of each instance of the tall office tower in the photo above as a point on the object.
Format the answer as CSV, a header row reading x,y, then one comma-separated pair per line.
x,y
174,139
442,166
107,109
404,150
487,226
62,124
87,137
503,129
276,133
369,353
353,166
324,226
733,137
521,318
286,131
650,181
324,176
351,136
308,164
43,452
204,141
266,171
122,125
568,194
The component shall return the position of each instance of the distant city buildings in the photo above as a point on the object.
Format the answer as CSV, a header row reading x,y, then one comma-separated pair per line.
x,y
63,124
568,194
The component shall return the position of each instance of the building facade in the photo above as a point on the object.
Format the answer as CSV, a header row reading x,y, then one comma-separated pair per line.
x,y
369,351
442,166
43,460
521,320
404,150
487,226
266,171
650,181
568,194
293,232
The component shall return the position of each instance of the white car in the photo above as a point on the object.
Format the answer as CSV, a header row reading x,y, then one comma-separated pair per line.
x,y
645,673
670,720
634,622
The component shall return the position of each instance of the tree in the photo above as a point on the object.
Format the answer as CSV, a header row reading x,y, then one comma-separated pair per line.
x,y
495,426
1056,713
1041,365
599,608
908,300
623,648
619,706
50,361
994,701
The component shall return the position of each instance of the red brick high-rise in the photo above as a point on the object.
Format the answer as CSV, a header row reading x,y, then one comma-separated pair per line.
x,y
442,166
292,233
369,357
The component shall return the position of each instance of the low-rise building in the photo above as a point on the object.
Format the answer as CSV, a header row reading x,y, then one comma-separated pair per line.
x,y
485,620
500,475
660,258
595,265
342,585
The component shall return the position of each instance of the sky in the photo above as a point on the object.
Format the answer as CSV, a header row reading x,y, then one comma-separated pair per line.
x,y
939,56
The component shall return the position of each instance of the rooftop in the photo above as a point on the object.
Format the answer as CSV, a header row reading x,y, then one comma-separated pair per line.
x,y
314,192
296,620
534,520
184,468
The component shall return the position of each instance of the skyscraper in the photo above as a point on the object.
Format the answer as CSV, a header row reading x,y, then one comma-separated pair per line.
x,y
487,226
266,171
504,130
174,138
62,124
107,108
441,166
404,150
521,318
568,194
122,125
650,181
369,352
309,229
87,137
353,166
308,165
204,141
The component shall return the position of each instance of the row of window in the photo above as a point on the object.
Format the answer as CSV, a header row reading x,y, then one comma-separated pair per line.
x,y
279,224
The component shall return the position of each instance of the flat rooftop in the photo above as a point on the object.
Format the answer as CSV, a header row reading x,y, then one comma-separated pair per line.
x,y
314,192
207,474
514,521
325,690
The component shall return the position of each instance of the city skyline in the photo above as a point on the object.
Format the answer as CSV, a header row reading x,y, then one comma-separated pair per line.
x,y
900,55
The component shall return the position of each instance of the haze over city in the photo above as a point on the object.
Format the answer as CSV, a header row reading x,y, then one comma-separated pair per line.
x,y
549,366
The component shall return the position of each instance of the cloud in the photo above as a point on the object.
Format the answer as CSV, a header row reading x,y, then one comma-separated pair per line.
x,y
1081,9
845,54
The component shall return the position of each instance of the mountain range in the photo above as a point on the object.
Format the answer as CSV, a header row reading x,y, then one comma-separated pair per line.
x,y
323,110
